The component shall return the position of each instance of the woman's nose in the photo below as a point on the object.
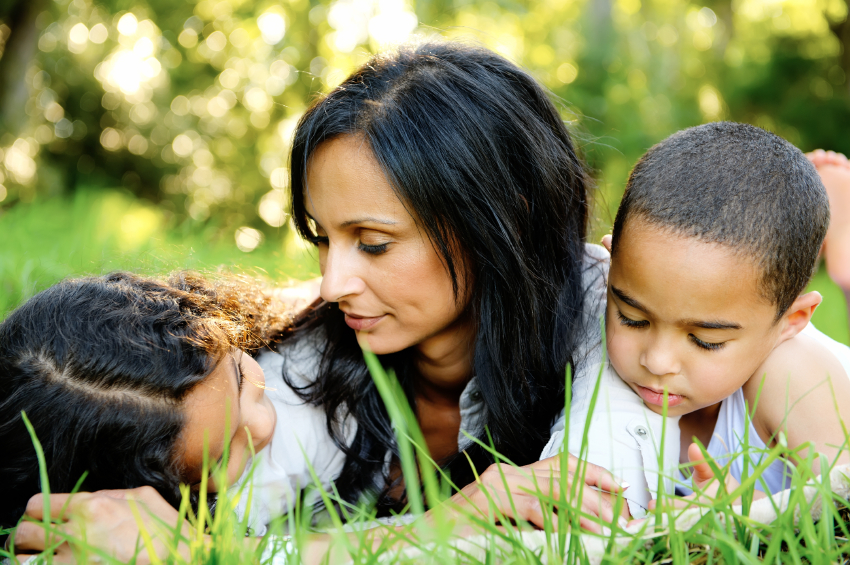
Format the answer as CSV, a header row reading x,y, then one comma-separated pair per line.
x,y
659,358
340,276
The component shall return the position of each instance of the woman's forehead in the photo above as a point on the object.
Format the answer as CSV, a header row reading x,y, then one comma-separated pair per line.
x,y
346,185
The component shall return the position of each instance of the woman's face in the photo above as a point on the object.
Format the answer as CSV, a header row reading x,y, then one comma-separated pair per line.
x,y
229,405
376,261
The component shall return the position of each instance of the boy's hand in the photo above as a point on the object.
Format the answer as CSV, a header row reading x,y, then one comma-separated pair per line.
x,y
705,484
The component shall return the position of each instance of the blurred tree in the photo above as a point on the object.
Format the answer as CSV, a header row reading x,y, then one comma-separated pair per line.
x,y
193,104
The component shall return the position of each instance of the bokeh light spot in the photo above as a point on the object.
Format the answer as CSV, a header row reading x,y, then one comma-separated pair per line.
x,y
128,24
272,27
247,239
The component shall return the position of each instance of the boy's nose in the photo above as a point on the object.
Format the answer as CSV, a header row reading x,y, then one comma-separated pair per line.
x,y
660,361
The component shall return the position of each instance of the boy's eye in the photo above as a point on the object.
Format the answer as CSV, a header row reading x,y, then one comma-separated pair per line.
x,y
629,323
705,344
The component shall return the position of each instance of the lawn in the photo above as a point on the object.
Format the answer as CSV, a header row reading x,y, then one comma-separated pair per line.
x,y
95,232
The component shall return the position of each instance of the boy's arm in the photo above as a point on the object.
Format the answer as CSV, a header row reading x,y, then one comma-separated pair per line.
x,y
806,396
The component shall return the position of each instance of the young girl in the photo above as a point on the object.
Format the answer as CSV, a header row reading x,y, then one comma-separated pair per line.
x,y
127,378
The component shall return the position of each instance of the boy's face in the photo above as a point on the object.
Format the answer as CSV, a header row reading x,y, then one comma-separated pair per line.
x,y
686,316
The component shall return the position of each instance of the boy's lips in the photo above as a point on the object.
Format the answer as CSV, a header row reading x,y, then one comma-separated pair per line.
x,y
656,398
360,323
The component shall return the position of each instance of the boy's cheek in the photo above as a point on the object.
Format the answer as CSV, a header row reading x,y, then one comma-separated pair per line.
x,y
621,352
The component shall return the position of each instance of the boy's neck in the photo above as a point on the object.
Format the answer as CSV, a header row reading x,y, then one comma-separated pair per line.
x,y
698,424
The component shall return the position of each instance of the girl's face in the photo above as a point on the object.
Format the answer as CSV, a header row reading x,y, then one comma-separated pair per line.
x,y
376,262
234,394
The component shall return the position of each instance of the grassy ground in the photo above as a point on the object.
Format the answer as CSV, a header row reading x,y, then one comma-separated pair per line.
x,y
811,528
93,233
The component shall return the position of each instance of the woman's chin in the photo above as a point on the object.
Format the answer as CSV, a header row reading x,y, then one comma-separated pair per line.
x,y
377,344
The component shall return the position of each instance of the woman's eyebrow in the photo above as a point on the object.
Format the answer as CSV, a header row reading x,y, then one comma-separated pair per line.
x,y
367,220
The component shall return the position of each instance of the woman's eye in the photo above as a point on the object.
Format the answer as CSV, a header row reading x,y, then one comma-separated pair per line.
x,y
705,344
629,323
318,240
373,249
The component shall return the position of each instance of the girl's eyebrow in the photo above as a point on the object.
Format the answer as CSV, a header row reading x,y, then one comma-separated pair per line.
x,y
239,376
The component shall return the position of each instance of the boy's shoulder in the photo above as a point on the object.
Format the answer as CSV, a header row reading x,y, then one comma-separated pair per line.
x,y
793,369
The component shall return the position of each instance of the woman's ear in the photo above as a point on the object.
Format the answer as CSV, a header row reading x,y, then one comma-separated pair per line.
x,y
606,242
799,313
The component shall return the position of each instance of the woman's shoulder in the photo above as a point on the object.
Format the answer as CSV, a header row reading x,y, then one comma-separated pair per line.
x,y
594,274
594,280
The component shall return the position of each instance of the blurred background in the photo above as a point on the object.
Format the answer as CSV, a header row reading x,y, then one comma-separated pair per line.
x,y
154,135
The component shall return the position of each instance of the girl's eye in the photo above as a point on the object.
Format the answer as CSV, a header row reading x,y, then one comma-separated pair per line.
x,y
629,323
706,345
373,249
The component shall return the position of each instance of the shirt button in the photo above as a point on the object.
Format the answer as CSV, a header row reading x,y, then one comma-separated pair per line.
x,y
641,431
475,396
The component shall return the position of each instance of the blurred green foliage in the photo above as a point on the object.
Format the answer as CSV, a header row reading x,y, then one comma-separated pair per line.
x,y
192,103
96,231
189,105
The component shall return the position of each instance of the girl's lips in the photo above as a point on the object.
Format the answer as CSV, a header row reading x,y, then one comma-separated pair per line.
x,y
359,323
657,398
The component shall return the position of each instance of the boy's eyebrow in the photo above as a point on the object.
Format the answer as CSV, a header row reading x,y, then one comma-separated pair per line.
x,y
713,325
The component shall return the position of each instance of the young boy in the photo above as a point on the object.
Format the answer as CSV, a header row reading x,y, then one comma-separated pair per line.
x,y
713,244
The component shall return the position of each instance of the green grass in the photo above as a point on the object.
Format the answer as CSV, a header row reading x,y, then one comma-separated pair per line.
x,y
95,232
718,536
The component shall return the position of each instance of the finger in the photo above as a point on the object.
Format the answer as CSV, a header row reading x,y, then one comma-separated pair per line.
x,y
31,537
598,506
58,503
702,470
598,477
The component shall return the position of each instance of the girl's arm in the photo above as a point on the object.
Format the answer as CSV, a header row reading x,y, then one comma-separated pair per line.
x,y
111,521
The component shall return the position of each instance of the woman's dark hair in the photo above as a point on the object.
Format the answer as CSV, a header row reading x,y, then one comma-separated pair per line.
x,y
478,153
101,366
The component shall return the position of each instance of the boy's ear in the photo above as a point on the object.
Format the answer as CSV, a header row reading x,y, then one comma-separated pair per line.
x,y
606,242
799,314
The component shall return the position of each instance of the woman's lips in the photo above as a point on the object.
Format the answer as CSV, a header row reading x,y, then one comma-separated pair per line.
x,y
361,323
651,396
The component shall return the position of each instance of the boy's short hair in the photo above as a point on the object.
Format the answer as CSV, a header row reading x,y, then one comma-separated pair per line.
x,y
739,186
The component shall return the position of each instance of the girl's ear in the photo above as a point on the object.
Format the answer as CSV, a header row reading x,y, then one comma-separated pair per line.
x,y
799,314
606,242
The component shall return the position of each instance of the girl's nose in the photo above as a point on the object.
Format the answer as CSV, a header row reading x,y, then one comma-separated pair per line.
x,y
340,277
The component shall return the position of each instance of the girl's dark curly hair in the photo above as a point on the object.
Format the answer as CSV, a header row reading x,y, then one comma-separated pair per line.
x,y
101,366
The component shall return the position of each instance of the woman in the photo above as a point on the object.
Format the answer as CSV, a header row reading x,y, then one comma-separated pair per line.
x,y
449,209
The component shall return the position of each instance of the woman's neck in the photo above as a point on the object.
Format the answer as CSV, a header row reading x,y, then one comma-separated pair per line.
x,y
444,363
